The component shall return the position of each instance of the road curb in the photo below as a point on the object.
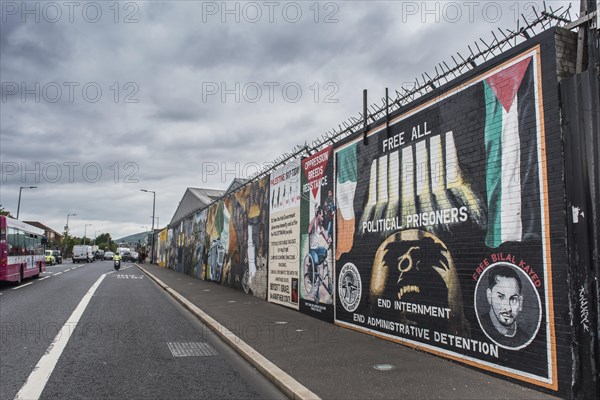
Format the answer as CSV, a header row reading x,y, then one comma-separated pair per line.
x,y
288,385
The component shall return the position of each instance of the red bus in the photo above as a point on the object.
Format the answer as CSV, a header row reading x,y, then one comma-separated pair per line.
x,y
21,250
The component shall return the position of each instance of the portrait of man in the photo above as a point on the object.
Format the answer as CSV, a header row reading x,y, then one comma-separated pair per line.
x,y
502,320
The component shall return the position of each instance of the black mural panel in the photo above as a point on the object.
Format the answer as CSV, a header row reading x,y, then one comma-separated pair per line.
x,y
442,230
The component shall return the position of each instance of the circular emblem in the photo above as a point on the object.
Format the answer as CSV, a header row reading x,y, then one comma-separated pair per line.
x,y
349,287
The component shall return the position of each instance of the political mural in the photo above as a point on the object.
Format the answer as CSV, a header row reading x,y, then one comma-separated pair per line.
x,y
442,233
316,240
236,240
284,235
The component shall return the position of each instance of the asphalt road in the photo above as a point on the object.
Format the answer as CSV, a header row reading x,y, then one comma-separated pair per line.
x,y
130,341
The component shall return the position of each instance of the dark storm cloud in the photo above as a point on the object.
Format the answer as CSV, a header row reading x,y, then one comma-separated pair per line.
x,y
27,47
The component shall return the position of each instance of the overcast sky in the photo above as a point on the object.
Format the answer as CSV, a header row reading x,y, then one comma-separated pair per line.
x,y
102,99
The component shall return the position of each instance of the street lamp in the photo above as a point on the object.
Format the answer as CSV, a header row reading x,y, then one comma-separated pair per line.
x,y
19,203
65,239
85,231
153,209
67,226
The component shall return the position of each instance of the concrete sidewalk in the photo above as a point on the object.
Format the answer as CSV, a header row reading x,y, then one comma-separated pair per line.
x,y
329,361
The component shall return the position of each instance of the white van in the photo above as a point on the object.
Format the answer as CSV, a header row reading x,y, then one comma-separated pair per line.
x,y
83,253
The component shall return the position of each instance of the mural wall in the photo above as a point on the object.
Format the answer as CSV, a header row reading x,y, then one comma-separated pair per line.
x,y
284,235
236,242
442,232
316,240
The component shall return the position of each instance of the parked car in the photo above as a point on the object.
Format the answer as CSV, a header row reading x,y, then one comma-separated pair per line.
x,y
134,256
50,260
109,255
57,256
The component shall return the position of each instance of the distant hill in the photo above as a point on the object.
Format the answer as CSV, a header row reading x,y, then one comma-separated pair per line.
x,y
135,238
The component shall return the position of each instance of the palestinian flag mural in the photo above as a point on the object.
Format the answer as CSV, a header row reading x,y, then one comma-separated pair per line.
x,y
508,141
442,235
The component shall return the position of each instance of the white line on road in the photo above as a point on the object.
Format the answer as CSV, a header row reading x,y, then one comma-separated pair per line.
x,y
66,270
36,382
22,286
58,273
46,277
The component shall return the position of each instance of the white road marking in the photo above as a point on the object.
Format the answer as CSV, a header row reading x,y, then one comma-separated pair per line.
x,y
36,382
67,270
22,286
58,273
46,277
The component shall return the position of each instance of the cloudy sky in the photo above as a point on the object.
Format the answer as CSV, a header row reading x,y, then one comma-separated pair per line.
x,y
102,99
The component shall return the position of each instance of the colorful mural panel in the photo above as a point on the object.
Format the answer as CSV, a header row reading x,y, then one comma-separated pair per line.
x,y
216,241
186,244
316,241
284,235
162,248
195,247
442,238
236,242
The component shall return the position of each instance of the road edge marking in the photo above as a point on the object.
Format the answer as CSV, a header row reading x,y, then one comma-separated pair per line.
x,y
288,385
22,286
38,378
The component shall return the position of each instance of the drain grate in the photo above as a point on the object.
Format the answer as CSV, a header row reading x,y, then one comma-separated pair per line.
x,y
193,349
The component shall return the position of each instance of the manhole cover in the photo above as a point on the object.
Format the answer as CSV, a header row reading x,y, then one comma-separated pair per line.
x,y
193,349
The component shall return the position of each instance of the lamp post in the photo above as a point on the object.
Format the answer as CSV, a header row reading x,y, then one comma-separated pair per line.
x,y
67,225
65,240
85,232
19,203
153,209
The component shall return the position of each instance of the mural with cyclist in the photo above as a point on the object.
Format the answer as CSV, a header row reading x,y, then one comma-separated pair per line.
x,y
284,235
316,240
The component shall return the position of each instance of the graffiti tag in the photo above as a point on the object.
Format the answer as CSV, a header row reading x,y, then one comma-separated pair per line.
x,y
583,304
